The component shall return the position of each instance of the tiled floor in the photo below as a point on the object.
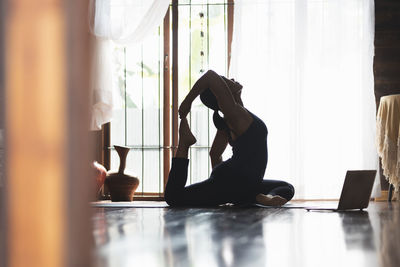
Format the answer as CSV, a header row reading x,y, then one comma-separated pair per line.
x,y
230,236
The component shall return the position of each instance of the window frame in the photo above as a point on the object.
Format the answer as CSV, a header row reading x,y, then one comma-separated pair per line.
x,y
170,69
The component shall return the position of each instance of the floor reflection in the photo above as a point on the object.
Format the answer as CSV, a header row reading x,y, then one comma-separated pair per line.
x,y
100,232
128,237
358,231
246,237
213,238
390,237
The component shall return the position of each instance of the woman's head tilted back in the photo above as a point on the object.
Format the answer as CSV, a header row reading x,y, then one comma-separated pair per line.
x,y
209,99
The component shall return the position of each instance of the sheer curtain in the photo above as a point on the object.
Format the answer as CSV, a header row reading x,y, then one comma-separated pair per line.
x,y
125,22
306,68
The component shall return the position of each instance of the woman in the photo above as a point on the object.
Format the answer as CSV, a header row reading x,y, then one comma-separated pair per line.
x,y
238,180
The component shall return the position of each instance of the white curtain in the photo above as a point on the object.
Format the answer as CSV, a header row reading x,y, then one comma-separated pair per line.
x,y
307,71
125,22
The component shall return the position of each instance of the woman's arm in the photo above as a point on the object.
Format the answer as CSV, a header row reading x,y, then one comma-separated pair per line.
x,y
235,115
218,147
219,88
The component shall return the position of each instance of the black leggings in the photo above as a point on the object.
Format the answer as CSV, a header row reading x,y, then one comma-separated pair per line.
x,y
277,188
214,191
237,180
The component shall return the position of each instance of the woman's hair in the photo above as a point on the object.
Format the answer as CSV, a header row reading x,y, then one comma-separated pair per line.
x,y
209,99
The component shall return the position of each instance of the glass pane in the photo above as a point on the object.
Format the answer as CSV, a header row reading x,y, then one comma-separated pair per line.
x,y
217,39
184,2
134,166
117,132
199,124
184,52
134,96
217,1
161,85
199,42
152,171
197,2
199,164
151,89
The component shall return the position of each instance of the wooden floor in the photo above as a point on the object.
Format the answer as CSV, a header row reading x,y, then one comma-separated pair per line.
x,y
230,236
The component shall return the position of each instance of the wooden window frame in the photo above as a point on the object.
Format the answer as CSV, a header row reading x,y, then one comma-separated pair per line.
x,y
170,138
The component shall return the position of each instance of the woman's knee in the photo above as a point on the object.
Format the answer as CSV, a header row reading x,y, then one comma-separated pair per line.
x,y
291,191
286,190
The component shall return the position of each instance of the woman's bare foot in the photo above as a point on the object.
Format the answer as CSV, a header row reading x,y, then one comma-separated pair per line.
x,y
186,137
270,200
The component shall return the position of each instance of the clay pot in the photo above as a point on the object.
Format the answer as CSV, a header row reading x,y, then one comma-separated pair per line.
x,y
100,174
122,187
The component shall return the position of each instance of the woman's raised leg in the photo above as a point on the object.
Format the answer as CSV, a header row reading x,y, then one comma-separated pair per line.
x,y
178,173
208,192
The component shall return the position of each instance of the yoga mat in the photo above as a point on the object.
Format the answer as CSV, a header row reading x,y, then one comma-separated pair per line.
x,y
163,204
127,204
286,206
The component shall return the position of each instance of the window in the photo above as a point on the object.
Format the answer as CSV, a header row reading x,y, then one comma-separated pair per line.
x,y
137,123
152,78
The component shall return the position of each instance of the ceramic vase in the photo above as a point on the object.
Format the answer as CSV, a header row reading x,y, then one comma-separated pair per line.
x,y
122,186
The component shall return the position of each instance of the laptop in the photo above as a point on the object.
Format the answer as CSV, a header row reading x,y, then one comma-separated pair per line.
x,y
356,191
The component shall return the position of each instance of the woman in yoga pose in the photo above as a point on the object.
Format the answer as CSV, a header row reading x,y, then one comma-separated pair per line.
x,y
238,180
